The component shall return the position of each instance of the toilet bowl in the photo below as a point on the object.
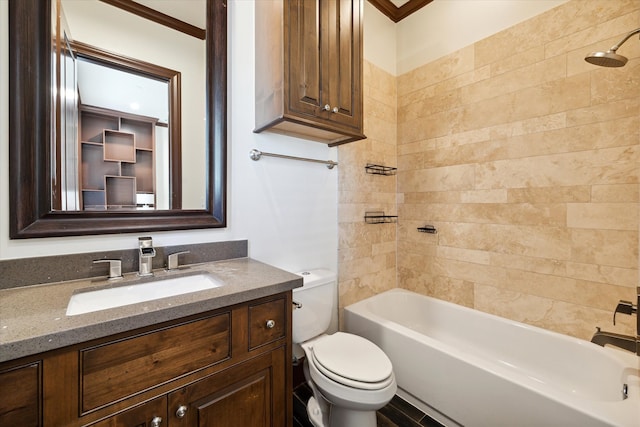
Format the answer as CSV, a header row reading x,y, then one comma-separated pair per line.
x,y
349,375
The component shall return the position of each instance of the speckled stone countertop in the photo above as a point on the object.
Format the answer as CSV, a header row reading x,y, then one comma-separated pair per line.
x,y
33,318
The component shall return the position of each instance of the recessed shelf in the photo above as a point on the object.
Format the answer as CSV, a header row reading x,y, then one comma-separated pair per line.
x,y
142,130
94,199
120,191
380,170
93,126
119,146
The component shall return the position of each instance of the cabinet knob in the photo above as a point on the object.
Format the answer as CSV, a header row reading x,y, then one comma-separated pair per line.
x,y
271,324
155,422
181,412
335,110
327,107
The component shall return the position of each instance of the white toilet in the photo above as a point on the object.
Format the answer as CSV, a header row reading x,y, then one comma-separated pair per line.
x,y
350,376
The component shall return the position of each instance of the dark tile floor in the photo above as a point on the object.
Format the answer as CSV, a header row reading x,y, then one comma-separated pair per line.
x,y
398,413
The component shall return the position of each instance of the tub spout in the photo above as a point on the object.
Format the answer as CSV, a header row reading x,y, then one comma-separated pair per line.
x,y
626,342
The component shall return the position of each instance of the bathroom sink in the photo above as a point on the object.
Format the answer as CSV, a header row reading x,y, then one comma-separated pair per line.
x,y
132,293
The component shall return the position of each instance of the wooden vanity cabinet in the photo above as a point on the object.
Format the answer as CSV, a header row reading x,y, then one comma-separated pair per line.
x,y
21,396
309,69
150,414
243,395
227,367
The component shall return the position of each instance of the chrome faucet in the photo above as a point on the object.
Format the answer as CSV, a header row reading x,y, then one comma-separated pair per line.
x,y
115,267
172,260
626,342
145,256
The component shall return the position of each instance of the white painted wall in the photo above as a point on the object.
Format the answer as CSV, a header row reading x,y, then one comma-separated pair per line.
x,y
287,210
379,39
440,28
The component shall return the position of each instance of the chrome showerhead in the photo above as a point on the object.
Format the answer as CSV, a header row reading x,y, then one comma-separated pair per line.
x,y
610,58
606,59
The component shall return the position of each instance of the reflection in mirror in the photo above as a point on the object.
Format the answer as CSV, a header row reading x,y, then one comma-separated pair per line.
x,y
65,187
135,177
141,154
125,136
141,105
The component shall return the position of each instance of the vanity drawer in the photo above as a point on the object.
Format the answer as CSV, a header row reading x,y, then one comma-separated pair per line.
x,y
267,322
118,369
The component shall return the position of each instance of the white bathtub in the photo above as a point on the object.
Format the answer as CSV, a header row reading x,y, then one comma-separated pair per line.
x,y
466,367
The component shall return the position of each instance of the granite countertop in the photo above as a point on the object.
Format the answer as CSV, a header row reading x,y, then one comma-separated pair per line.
x,y
33,318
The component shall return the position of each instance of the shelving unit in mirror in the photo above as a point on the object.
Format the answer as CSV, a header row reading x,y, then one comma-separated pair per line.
x,y
117,160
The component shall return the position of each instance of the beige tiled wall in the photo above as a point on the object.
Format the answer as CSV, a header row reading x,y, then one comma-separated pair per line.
x,y
367,252
523,156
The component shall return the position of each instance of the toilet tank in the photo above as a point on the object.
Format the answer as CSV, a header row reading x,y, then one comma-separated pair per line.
x,y
317,297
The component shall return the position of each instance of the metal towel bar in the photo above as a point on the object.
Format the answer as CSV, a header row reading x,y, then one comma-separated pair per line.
x,y
256,154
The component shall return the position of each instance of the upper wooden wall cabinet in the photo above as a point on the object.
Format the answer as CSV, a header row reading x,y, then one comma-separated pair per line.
x,y
309,69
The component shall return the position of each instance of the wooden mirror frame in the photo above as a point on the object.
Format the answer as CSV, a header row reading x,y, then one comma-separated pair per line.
x,y
30,134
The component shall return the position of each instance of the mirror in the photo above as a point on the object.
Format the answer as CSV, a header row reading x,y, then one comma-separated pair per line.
x,y
32,132
134,104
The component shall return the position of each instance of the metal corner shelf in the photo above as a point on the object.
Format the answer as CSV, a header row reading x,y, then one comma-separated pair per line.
x,y
379,218
379,169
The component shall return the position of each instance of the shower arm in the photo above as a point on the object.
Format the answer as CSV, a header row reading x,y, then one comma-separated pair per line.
x,y
616,46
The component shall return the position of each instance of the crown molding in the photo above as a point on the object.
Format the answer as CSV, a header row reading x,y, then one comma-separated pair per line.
x,y
396,14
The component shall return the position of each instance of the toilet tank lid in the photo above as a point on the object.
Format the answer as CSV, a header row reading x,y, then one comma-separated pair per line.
x,y
316,277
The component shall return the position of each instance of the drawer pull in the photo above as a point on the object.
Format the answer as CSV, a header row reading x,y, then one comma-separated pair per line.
x,y
181,412
155,422
271,324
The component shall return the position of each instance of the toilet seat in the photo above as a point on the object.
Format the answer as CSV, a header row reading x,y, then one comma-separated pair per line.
x,y
352,361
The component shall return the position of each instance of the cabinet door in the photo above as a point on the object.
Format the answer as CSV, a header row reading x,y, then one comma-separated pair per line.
x,y
150,414
325,70
249,394
20,396
305,19
344,62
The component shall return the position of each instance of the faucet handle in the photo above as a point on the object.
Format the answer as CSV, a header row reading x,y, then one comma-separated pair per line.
x,y
115,267
172,260
145,245
624,307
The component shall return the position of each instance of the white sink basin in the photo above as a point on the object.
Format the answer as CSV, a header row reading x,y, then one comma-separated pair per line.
x,y
118,296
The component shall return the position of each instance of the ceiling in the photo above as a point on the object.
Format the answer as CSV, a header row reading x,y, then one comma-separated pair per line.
x,y
189,11
396,10
128,92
